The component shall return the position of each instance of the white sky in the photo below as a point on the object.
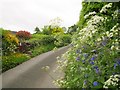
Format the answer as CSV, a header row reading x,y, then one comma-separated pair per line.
x,y
27,14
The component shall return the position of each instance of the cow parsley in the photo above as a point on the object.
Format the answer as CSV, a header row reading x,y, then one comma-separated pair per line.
x,y
105,8
113,81
89,14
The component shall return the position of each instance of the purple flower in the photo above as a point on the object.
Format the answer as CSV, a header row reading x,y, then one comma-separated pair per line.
x,y
78,58
85,55
95,83
91,62
93,58
97,70
95,67
115,65
118,61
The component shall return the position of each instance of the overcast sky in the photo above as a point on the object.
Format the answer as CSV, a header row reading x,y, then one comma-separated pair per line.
x,y
27,14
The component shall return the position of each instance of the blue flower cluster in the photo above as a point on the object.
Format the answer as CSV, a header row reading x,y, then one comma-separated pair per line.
x,y
95,83
96,69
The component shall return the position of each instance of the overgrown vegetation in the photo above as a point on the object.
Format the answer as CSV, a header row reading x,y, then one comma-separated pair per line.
x,y
94,54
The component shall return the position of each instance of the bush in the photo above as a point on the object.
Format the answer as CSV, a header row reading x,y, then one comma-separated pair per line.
x,y
39,39
23,35
24,47
13,60
57,30
9,42
62,40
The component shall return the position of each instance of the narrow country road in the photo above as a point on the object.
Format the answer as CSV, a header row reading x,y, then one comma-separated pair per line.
x,y
30,75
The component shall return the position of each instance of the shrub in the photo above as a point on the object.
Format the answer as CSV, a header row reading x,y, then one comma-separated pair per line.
x,y
24,47
57,30
62,40
23,35
9,42
47,30
39,39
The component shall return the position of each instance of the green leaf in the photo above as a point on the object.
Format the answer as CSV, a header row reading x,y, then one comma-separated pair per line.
x,y
91,78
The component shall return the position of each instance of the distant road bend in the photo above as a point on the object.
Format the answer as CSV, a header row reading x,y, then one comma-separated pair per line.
x,y
30,75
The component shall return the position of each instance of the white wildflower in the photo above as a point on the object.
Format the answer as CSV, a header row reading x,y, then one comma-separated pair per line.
x,y
95,20
112,81
89,14
105,8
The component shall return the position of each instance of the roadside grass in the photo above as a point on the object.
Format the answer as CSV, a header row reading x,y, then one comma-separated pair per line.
x,y
42,49
11,61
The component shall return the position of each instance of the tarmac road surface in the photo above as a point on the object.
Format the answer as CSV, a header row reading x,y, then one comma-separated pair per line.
x,y
30,75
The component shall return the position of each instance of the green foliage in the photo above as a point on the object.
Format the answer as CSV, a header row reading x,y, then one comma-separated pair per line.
x,y
62,40
94,53
47,30
72,29
37,30
40,39
13,60
42,49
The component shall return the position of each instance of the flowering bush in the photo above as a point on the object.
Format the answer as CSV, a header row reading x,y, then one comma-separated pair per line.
x,y
94,53
9,42
23,35
57,30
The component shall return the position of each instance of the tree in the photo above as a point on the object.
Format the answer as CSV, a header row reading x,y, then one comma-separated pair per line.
x,y
37,30
23,35
47,30
72,29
